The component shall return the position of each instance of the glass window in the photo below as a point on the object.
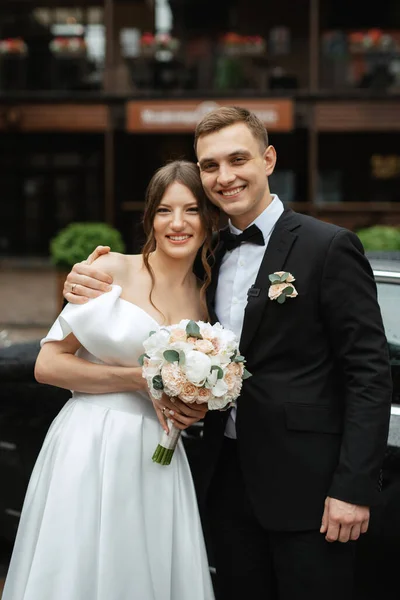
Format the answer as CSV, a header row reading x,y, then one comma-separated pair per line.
x,y
47,48
48,181
389,300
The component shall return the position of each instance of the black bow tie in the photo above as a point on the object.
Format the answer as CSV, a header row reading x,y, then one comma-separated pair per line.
x,y
251,235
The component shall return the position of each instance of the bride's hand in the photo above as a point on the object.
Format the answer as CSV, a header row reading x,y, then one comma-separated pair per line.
x,y
182,415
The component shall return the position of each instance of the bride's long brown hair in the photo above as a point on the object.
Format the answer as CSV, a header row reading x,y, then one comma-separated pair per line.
x,y
186,173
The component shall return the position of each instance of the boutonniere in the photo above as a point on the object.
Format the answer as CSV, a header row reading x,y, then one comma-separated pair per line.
x,y
281,286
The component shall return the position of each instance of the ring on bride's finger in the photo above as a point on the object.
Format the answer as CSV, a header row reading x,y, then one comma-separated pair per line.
x,y
73,287
163,410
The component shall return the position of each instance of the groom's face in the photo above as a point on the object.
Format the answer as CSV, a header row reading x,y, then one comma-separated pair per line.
x,y
234,171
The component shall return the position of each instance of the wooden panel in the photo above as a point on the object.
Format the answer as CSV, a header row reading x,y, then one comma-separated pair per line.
x,y
133,206
54,117
137,205
379,207
169,116
355,215
358,116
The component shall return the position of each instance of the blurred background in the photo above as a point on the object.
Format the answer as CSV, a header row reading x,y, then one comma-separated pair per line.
x,y
97,94
94,96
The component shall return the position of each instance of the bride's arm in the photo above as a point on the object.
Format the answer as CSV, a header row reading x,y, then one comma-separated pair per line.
x,y
57,365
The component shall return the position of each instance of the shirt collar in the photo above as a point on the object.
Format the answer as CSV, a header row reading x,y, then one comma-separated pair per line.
x,y
266,221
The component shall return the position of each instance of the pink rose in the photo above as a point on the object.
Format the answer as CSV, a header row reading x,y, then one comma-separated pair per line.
x,y
173,378
204,394
230,380
216,345
177,335
276,290
237,388
189,393
204,346
235,369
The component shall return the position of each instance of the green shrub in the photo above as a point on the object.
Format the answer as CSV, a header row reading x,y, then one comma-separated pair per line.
x,y
75,242
380,237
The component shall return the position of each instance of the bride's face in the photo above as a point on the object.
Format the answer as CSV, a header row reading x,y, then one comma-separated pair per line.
x,y
178,230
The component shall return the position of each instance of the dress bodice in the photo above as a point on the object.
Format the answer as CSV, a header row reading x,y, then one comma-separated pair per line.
x,y
110,329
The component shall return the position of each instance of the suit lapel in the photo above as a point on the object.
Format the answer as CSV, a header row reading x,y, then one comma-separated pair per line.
x,y
278,249
212,288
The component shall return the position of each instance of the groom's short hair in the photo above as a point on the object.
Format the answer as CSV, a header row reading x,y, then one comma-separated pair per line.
x,y
225,116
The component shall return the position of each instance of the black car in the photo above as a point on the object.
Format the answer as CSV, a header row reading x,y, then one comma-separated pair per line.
x,y
27,408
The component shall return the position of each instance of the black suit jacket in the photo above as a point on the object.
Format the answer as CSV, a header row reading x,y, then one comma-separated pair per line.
x,y
313,419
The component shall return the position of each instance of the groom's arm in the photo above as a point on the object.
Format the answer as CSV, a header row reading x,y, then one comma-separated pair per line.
x,y
354,324
86,280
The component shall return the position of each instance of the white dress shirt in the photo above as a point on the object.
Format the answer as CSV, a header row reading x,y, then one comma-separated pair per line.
x,y
238,272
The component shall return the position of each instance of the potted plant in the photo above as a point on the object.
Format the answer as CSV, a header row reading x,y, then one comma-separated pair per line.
x,y
382,240
75,242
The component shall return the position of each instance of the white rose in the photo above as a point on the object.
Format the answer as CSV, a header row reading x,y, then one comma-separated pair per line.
x,y
207,331
151,367
225,358
212,378
156,343
182,324
157,394
227,339
197,366
215,360
181,347
220,388
218,403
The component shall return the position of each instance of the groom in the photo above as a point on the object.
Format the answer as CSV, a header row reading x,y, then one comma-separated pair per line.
x,y
290,476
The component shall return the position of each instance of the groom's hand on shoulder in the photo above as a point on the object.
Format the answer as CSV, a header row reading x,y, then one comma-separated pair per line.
x,y
85,280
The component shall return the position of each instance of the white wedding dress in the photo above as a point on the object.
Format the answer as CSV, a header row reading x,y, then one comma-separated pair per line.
x,y
100,520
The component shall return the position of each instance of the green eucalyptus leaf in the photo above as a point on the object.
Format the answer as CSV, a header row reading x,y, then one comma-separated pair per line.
x,y
157,382
274,278
182,357
288,290
171,356
152,333
193,330
283,277
141,359
281,299
246,374
239,359
220,372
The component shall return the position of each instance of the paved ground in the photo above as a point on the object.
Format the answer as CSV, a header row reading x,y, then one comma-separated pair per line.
x,y
29,300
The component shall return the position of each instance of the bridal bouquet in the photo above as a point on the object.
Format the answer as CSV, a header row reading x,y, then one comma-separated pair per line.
x,y
195,362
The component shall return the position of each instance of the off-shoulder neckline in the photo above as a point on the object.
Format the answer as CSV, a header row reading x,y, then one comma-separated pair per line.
x,y
142,310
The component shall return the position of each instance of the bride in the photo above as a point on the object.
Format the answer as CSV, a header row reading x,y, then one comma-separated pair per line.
x,y
100,520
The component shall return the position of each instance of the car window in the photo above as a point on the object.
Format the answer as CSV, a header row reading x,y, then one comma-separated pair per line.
x,y
389,301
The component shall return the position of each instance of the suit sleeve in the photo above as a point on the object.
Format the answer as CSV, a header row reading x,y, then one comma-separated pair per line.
x,y
352,316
